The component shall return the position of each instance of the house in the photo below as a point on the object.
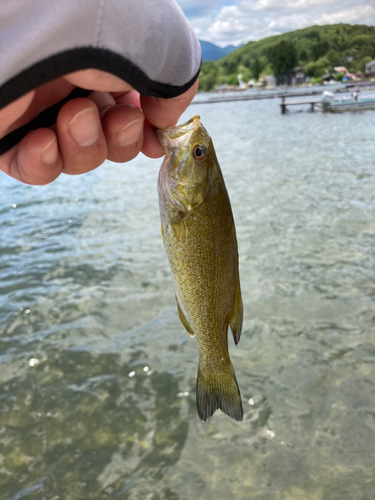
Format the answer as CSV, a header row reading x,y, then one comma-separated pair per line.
x,y
292,77
267,81
339,69
370,67
326,77
299,76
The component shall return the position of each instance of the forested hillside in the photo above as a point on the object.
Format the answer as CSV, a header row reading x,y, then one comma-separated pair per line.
x,y
316,50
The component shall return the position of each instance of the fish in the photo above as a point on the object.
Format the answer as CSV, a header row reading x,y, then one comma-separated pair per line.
x,y
199,237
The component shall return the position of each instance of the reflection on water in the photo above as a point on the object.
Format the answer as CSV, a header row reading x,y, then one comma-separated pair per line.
x,y
97,378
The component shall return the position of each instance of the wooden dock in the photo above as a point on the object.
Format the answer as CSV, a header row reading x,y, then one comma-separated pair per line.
x,y
252,96
312,102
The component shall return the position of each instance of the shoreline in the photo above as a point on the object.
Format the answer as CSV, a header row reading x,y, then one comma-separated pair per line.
x,y
256,94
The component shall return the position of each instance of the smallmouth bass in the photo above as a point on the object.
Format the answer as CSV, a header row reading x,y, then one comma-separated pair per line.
x,y
200,240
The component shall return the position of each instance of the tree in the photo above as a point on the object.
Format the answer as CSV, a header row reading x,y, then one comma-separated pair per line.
x,y
245,72
208,76
284,58
319,50
361,40
232,79
230,64
312,34
339,77
317,68
303,56
256,69
333,58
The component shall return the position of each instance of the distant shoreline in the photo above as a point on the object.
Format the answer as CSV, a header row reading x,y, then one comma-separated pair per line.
x,y
292,91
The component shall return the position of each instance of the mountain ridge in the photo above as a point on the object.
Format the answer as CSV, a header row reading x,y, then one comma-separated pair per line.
x,y
212,52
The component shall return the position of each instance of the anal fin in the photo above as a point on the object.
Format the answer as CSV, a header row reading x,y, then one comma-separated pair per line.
x,y
237,315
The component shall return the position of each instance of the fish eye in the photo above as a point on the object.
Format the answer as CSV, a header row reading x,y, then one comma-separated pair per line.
x,y
200,152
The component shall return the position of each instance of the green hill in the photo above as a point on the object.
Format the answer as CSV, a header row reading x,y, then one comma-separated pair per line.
x,y
316,49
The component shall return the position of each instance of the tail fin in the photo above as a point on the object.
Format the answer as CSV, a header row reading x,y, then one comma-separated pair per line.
x,y
218,390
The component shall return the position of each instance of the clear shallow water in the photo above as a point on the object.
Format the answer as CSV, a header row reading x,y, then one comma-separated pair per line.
x,y
97,376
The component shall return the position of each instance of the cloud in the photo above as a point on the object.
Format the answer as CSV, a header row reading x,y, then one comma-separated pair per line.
x,y
293,5
361,14
238,21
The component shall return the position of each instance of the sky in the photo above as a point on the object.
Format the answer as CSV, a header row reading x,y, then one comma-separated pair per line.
x,y
239,21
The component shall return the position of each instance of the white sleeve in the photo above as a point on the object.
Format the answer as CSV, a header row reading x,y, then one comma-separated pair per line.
x,y
147,43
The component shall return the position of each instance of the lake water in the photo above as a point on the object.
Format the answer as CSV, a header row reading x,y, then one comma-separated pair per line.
x,y
97,375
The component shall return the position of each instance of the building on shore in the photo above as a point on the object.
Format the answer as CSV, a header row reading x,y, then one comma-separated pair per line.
x,y
295,76
370,68
340,69
267,81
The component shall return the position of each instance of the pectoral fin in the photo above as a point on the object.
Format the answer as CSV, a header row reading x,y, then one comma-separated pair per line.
x,y
184,321
179,231
237,315
176,221
162,235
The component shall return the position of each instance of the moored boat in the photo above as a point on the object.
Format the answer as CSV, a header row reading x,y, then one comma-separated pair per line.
x,y
355,102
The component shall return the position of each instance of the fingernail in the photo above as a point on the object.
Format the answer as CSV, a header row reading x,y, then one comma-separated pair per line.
x,y
50,152
84,127
130,134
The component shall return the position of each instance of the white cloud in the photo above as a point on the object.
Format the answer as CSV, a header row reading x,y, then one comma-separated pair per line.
x,y
361,14
294,4
239,21
268,5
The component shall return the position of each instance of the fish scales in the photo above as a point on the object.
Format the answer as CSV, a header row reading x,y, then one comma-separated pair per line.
x,y
200,240
199,283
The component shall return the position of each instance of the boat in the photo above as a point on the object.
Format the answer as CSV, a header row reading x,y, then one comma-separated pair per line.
x,y
355,102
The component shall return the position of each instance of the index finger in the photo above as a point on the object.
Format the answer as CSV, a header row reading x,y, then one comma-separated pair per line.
x,y
164,113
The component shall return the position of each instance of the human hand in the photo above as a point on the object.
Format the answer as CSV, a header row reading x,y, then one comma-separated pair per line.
x,y
113,122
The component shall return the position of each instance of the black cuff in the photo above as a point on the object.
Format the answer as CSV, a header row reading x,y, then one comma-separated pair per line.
x,y
75,60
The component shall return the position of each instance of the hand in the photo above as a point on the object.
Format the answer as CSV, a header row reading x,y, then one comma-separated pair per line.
x,y
113,122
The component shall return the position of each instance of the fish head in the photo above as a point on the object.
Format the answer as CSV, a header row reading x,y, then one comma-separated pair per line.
x,y
189,164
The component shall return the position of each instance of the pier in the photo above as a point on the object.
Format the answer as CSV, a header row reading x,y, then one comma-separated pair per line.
x,y
241,95
312,102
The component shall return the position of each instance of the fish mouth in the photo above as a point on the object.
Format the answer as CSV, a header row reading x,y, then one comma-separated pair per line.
x,y
179,135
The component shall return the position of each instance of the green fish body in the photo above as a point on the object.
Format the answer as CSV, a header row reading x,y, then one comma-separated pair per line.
x,y
200,241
